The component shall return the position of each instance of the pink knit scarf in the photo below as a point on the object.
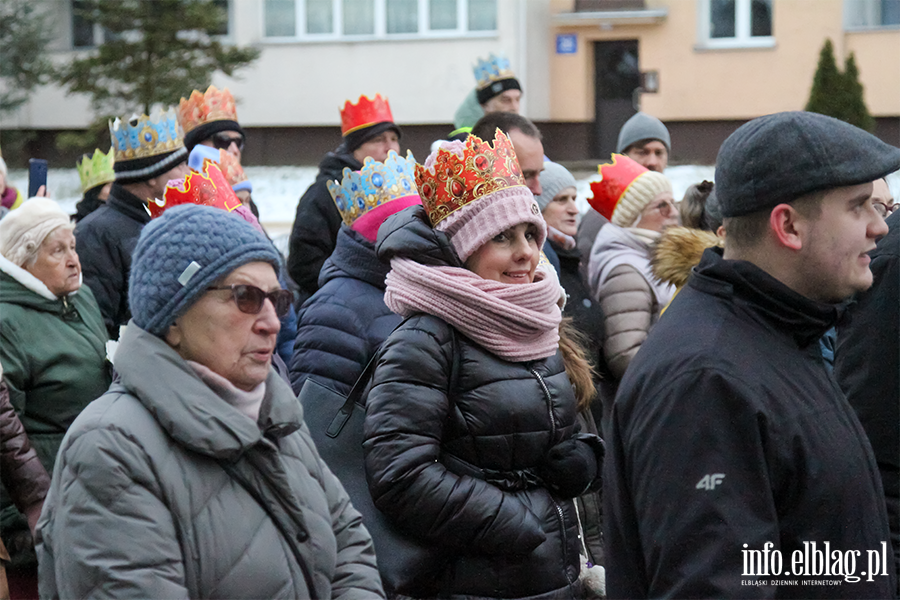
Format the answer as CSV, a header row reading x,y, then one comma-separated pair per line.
x,y
518,322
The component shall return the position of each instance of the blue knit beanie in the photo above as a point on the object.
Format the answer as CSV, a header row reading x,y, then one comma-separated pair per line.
x,y
181,254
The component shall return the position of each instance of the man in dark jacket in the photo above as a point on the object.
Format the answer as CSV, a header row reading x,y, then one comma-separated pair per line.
x,y
867,365
735,466
105,239
368,130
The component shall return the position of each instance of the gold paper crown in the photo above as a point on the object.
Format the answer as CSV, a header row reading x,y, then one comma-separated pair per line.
x,y
142,137
200,109
96,170
454,181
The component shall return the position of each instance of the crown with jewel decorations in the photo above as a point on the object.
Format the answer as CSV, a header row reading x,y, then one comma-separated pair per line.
x,y
206,187
96,170
455,179
200,109
365,113
143,136
495,68
376,184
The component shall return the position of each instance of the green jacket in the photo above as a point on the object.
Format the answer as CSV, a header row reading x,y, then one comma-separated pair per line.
x,y
53,354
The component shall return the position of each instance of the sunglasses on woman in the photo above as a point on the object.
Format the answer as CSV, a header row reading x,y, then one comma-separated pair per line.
x,y
222,141
250,299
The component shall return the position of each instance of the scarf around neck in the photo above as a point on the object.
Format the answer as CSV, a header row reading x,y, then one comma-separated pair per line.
x,y
518,322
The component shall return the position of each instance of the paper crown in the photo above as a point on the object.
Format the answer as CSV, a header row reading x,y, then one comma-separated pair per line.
x,y
199,109
142,137
495,68
227,162
454,181
617,178
375,184
96,170
365,113
207,187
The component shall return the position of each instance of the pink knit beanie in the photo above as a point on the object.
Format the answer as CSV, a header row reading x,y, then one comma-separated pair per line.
x,y
473,192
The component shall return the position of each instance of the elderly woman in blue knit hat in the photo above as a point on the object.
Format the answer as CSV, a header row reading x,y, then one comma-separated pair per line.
x,y
194,475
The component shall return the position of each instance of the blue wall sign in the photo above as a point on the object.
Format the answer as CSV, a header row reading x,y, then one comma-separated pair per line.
x,y
566,43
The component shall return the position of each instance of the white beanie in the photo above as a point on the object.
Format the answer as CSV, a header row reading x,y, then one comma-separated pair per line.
x,y
638,196
23,230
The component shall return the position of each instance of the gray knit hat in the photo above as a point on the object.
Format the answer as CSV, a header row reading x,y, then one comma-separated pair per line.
x,y
642,126
554,179
182,253
780,157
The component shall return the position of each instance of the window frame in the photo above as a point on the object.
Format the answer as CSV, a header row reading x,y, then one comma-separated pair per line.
x,y
380,25
847,18
742,28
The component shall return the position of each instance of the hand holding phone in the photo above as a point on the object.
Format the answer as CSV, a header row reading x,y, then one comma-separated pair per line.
x,y
37,176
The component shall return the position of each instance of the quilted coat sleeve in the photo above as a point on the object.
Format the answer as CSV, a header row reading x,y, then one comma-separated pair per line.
x,y
331,347
22,473
113,499
405,412
630,308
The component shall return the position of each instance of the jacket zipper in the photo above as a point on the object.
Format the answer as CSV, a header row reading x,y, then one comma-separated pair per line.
x,y
549,403
559,511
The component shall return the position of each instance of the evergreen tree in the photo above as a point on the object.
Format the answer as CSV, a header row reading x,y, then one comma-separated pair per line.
x,y
857,112
836,94
25,33
155,51
828,89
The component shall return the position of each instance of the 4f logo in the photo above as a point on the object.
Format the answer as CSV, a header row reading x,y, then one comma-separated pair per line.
x,y
709,482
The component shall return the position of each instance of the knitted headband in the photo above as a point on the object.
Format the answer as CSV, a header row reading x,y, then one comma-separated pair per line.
x,y
23,230
183,252
638,196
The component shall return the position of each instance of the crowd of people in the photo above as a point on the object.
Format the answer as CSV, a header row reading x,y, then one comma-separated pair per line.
x,y
662,397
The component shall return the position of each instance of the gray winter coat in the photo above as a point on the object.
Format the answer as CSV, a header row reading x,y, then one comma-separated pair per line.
x,y
159,487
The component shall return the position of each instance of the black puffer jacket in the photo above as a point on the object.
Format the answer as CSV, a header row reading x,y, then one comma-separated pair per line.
x,y
343,324
105,240
317,223
451,452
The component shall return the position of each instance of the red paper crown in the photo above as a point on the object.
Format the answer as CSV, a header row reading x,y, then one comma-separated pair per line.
x,y
200,109
617,178
208,188
453,181
364,113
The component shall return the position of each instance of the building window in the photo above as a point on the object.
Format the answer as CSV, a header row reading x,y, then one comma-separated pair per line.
x,y
871,14
735,23
88,34
375,19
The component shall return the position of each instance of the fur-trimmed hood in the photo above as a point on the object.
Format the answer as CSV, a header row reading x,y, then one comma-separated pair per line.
x,y
677,251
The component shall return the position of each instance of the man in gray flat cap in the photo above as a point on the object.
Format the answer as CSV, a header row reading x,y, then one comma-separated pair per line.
x,y
735,466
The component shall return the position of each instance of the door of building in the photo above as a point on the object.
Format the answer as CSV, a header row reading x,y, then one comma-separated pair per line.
x,y
616,77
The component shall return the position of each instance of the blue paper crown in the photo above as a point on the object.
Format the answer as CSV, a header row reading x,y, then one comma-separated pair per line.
x,y
375,184
495,68
143,136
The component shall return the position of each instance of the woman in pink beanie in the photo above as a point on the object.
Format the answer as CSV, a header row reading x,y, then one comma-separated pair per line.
x,y
471,443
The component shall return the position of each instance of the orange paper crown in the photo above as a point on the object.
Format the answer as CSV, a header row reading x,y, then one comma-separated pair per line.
x,y
617,178
453,181
208,188
199,109
231,168
364,113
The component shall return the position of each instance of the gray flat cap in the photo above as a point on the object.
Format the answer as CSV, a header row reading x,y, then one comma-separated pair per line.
x,y
778,158
642,126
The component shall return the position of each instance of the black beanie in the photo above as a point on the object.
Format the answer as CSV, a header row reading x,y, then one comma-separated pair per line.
x,y
496,88
207,130
355,139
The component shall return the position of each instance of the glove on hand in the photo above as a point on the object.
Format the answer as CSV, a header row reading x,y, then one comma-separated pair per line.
x,y
569,468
